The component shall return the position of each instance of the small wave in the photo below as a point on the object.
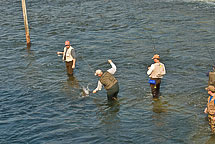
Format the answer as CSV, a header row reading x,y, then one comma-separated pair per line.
x,y
206,1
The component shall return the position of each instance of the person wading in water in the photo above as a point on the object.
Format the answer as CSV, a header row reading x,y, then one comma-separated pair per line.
x,y
156,71
69,57
210,109
109,81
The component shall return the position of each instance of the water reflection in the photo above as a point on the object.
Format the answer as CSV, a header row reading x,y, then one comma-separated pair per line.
x,y
108,117
108,112
29,57
211,140
159,106
159,116
28,47
72,82
71,86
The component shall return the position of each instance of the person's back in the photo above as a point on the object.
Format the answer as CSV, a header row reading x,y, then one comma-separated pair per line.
x,y
108,80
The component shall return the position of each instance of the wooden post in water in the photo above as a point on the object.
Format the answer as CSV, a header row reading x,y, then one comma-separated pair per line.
x,y
26,23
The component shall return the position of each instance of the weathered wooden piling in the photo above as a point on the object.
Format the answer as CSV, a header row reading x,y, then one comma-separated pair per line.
x,y
26,23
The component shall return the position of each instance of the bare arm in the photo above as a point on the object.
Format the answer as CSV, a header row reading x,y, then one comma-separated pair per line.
x,y
73,65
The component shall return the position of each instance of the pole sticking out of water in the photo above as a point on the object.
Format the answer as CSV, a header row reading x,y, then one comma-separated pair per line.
x,y
26,23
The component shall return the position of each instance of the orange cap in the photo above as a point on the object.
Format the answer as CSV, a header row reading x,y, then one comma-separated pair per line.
x,y
67,43
156,56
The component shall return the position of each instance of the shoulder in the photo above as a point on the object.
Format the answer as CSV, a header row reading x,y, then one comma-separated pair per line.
x,y
64,49
153,64
105,74
161,63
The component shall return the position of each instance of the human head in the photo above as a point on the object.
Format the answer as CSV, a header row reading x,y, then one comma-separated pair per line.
x,y
67,43
156,58
98,73
210,88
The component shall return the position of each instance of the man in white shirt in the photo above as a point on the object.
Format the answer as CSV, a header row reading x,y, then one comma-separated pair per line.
x,y
109,82
69,57
156,71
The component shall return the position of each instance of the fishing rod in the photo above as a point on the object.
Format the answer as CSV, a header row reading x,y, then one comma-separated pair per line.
x,y
211,59
85,90
87,64
153,43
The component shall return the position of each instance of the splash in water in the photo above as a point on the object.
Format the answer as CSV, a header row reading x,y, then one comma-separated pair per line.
x,y
85,91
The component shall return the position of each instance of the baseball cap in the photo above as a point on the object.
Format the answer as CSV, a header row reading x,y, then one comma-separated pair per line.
x,y
210,88
156,56
98,72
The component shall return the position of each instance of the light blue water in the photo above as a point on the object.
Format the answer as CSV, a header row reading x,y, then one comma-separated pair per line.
x,y
40,104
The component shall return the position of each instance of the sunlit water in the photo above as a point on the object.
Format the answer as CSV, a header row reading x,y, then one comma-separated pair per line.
x,y
40,104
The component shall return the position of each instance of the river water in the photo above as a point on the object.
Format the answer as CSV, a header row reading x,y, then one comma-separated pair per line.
x,y
40,104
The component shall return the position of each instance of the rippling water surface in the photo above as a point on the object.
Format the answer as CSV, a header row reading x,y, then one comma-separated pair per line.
x,y
40,104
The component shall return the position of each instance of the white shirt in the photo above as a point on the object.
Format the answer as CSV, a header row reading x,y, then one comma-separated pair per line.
x,y
152,67
160,74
